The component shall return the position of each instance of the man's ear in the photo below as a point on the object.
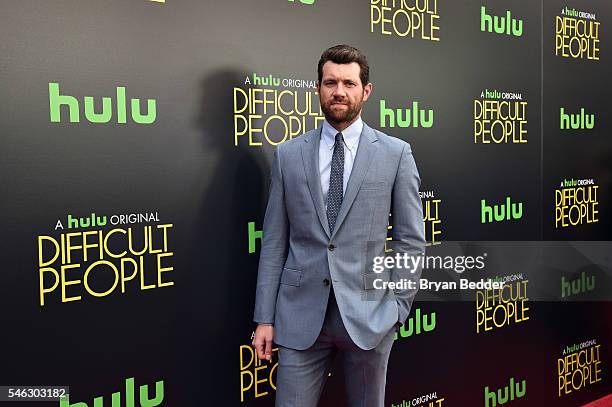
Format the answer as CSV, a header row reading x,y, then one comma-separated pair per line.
x,y
318,87
367,91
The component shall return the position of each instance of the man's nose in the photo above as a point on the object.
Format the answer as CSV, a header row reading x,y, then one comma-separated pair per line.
x,y
339,90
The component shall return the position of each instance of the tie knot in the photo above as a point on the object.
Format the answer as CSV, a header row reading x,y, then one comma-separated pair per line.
x,y
339,137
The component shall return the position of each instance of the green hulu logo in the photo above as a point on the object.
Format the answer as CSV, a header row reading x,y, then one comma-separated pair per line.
x,y
417,324
265,80
579,285
500,25
144,400
501,212
414,117
56,101
508,393
303,1
90,221
254,235
576,121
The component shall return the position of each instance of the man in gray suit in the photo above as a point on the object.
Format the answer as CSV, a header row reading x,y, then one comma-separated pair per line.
x,y
331,191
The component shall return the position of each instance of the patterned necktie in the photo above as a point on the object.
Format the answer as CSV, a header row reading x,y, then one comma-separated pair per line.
x,y
334,195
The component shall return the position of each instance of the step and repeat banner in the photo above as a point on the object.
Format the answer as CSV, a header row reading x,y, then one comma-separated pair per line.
x,y
135,145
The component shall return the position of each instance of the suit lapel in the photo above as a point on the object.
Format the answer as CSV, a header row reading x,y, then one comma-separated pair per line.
x,y
310,157
365,153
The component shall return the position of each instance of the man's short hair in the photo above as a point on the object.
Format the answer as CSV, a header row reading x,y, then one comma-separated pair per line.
x,y
345,54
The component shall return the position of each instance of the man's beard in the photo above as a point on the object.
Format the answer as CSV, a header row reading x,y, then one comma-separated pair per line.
x,y
341,116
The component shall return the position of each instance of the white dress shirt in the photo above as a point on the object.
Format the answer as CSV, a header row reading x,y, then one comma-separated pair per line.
x,y
326,150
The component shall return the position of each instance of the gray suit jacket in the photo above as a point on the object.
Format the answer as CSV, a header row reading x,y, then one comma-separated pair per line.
x,y
299,256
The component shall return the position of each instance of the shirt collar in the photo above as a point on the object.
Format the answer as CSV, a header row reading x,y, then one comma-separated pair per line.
x,y
350,135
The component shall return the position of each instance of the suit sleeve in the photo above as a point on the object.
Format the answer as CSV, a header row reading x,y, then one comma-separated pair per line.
x,y
408,231
274,248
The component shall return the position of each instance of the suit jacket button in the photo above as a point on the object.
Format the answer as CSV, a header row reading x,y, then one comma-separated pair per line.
x,y
331,247
326,282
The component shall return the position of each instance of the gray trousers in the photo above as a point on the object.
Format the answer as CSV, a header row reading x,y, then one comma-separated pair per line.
x,y
302,373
